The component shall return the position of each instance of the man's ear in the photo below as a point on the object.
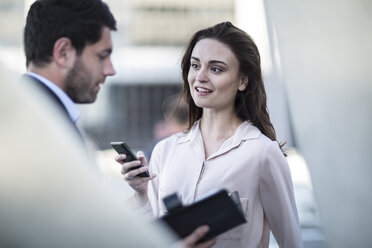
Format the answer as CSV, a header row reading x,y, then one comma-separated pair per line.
x,y
243,83
64,53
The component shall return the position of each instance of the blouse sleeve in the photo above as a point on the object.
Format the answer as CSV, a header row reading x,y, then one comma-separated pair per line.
x,y
276,192
151,209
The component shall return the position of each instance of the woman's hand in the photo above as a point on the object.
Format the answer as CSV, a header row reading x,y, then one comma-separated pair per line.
x,y
138,184
190,241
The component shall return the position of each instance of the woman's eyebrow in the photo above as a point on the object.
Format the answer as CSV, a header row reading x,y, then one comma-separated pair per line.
x,y
217,62
195,58
211,61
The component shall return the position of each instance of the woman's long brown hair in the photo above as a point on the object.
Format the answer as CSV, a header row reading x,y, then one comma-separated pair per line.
x,y
250,104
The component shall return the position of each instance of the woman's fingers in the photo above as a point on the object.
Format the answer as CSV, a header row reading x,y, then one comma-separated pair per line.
x,y
120,158
132,169
196,235
206,244
139,184
131,174
126,167
142,158
137,181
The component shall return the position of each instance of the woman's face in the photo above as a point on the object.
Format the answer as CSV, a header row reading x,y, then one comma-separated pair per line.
x,y
214,77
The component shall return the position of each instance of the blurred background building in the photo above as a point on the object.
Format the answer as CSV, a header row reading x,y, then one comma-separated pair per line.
x,y
316,59
148,48
149,45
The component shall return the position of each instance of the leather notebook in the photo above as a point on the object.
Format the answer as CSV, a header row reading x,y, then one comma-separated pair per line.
x,y
219,210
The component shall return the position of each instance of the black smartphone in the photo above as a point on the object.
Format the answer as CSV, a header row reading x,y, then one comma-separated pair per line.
x,y
123,148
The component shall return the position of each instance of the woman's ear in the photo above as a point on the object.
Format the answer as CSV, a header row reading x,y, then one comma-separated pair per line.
x,y
243,83
64,53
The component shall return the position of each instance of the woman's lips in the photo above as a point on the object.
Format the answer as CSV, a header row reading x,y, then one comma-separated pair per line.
x,y
201,91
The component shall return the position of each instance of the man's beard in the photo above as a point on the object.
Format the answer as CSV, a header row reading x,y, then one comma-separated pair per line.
x,y
78,84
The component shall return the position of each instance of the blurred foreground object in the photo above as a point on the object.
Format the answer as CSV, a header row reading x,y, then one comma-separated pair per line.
x,y
50,194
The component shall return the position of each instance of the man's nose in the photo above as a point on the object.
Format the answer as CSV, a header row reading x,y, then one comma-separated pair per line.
x,y
109,70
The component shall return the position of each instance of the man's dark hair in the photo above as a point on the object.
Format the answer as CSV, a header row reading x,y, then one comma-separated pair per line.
x,y
48,20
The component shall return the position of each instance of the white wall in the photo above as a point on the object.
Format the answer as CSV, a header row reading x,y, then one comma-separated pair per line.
x,y
251,17
325,49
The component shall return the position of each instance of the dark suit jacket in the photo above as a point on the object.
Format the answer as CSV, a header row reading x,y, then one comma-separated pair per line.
x,y
52,97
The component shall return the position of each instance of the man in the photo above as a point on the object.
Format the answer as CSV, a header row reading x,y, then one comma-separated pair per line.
x,y
49,194
68,46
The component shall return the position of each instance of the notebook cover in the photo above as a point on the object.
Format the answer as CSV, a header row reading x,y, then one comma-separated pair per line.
x,y
218,211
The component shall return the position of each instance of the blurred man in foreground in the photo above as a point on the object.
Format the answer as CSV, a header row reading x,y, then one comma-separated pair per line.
x,y
49,194
57,201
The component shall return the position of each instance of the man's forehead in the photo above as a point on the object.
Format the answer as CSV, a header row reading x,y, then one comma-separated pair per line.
x,y
104,44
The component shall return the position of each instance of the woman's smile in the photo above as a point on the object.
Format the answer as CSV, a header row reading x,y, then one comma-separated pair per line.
x,y
202,91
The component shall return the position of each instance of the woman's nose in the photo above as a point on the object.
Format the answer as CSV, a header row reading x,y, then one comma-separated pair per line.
x,y
202,76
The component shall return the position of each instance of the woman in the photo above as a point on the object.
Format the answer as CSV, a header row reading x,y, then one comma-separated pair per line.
x,y
230,143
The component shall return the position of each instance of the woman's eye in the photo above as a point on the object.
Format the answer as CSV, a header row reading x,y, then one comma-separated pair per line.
x,y
195,66
216,69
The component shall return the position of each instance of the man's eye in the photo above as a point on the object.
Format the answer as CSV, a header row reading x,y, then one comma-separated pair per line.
x,y
103,56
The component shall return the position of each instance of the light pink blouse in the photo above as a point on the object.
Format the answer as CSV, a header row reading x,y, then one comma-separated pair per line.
x,y
247,162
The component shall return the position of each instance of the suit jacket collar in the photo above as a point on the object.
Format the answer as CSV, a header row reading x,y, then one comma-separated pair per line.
x,y
61,96
54,98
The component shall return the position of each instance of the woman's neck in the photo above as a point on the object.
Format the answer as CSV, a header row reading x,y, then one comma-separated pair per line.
x,y
218,122
216,128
